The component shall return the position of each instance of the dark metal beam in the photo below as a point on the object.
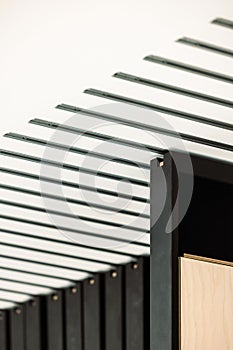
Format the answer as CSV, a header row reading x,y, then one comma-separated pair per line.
x,y
160,109
173,89
189,68
206,46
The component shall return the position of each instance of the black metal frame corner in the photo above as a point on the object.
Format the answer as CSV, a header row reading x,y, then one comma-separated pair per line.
x,y
206,230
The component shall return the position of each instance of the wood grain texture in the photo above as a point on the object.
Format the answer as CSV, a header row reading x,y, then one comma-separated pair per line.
x,y
206,301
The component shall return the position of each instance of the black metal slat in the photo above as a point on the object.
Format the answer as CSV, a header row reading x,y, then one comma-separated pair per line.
x,y
189,68
161,109
174,89
206,46
223,22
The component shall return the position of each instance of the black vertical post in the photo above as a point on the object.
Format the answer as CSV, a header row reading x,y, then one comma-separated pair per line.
x,y
164,257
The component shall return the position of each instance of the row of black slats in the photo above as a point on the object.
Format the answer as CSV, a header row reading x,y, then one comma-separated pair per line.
x,y
106,311
109,309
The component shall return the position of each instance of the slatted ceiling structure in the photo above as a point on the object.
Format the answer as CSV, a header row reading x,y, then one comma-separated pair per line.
x,y
193,146
16,162
15,297
69,200
160,70
156,130
5,305
161,109
25,288
70,184
41,269
32,186
115,171
131,93
66,299
35,334
68,295
200,137
173,88
22,321
92,138
63,147
51,234
11,276
52,259
199,84
68,251
88,269
70,167
111,282
181,123
89,230
147,95
82,211
204,60
37,151
77,236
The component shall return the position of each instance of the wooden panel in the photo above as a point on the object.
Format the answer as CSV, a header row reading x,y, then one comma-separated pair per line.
x,y
206,296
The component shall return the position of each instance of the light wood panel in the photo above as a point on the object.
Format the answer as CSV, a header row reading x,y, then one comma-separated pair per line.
x,y
206,305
